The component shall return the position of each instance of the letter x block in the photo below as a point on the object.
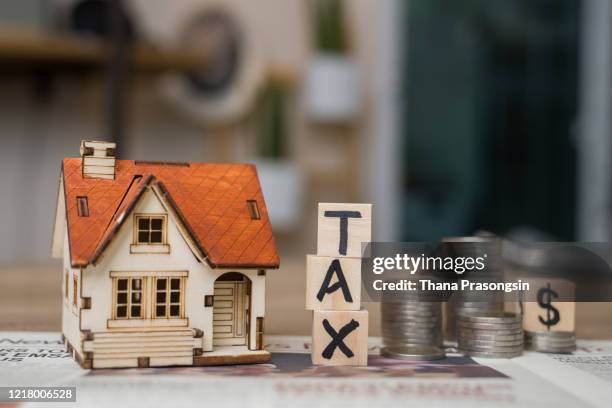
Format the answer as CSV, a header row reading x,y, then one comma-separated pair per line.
x,y
342,228
340,338
333,283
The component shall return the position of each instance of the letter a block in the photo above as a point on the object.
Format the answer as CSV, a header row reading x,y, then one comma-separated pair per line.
x,y
333,283
342,229
340,338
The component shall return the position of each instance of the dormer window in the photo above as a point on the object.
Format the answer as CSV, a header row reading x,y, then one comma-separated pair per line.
x,y
253,209
82,207
150,230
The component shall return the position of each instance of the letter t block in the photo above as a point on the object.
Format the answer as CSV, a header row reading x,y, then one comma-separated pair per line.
x,y
342,228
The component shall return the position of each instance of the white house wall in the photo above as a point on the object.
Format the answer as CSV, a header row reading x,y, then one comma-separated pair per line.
x,y
199,282
70,313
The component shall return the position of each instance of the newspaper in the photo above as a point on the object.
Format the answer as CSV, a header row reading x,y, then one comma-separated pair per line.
x,y
533,380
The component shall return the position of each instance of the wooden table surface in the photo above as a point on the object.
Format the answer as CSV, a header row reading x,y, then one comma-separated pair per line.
x,y
30,299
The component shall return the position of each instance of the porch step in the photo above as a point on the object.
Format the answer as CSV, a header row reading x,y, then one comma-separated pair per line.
x,y
145,333
163,345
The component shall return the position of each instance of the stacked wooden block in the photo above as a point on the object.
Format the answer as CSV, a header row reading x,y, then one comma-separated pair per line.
x,y
333,285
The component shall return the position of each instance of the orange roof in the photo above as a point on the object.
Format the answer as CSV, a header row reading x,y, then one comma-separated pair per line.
x,y
209,199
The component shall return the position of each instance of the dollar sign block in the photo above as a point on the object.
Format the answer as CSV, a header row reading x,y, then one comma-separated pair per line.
x,y
548,313
545,296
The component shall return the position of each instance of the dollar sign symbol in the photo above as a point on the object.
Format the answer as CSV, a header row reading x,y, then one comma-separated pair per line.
x,y
550,309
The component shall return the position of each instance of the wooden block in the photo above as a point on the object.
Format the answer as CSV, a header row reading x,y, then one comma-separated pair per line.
x,y
99,169
340,338
97,148
333,283
342,228
99,161
548,314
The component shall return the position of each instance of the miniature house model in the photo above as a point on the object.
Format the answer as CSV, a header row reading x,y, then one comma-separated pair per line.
x,y
164,263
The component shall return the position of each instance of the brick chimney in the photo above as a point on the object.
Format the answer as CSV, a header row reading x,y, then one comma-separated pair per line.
x,y
98,159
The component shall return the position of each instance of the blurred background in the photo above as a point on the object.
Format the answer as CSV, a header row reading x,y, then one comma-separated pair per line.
x,y
451,117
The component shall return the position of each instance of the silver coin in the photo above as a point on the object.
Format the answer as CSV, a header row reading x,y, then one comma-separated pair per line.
x,y
491,317
400,336
490,326
412,323
397,317
476,344
412,342
401,319
487,354
419,339
562,334
485,337
551,340
516,340
405,328
413,310
413,353
517,331
551,346
556,350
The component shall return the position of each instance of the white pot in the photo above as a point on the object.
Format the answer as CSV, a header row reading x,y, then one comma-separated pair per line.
x,y
331,90
282,184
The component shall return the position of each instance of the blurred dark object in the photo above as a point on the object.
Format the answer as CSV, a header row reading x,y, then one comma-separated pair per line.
x,y
328,25
93,18
491,90
271,121
216,35
25,14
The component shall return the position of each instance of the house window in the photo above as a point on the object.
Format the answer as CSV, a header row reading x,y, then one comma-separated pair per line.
x,y
75,289
253,209
168,298
128,298
150,230
82,207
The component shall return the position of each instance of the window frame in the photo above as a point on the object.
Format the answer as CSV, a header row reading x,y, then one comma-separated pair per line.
x,y
129,291
253,208
167,304
164,229
82,206
75,289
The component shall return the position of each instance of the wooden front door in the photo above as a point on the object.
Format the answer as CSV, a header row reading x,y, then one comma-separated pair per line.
x,y
230,313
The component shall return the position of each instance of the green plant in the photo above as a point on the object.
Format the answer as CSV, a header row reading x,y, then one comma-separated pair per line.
x,y
271,120
328,25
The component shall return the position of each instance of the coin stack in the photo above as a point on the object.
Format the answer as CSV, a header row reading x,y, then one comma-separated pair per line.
x,y
492,334
412,323
472,303
551,342
458,305
412,327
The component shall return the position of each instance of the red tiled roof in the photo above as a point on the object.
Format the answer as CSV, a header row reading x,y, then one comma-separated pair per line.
x,y
209,199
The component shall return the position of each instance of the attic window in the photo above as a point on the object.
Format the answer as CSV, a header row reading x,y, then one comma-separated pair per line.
x,y
150,230
253,209
82,207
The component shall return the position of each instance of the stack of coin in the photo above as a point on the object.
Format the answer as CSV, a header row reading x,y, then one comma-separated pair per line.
x,y
417,323
491,334
413,352
551,342
471,302
459,305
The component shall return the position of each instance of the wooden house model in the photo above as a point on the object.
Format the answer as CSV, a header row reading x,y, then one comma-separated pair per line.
x,y
163,263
